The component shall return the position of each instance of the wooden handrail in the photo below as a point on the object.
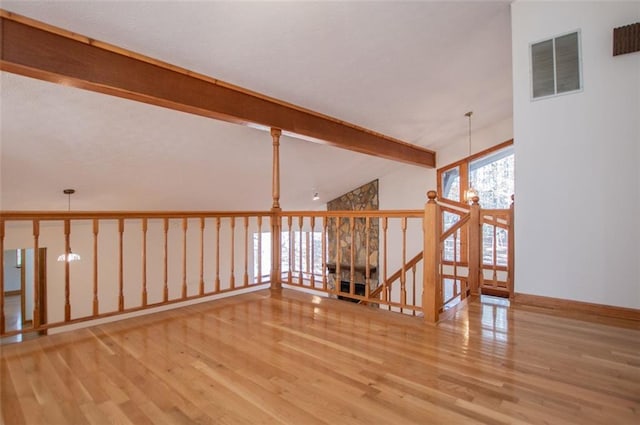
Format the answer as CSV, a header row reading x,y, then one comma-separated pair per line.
x,y
455,227
394,277
452,206
113,215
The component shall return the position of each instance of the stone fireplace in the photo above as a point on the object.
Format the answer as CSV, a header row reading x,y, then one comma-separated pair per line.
x,y
364,198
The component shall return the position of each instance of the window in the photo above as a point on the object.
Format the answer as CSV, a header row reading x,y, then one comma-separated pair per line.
x,y
490,172
296,260
555,66
492,175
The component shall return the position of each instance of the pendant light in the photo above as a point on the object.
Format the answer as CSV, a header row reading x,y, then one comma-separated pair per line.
x,y
470,193
71,256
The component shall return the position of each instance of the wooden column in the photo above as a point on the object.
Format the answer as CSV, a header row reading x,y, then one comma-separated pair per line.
x,y
475,246
275,182
431,293
511,251
276,225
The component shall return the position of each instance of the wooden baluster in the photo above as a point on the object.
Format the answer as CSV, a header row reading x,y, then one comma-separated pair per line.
x,y
475,246
495,254
385,294
413,272
185,225
352,259
431,292
455,264
307,253
324,253
67,289
300,224
144,262
403,274
232,279
2,319
367,265
338,284
201,283
120,264
259,250
217,283
511,251
37,320
291,250
96,228
165,294
245,279
313,257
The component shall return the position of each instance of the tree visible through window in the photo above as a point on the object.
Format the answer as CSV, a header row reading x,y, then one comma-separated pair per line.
x,y
491,173
295,260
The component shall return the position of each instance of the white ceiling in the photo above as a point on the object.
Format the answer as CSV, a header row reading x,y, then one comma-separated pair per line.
x,y
408,70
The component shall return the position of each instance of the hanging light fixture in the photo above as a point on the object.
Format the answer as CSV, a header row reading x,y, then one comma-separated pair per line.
x,y
316,197
470,193
70,256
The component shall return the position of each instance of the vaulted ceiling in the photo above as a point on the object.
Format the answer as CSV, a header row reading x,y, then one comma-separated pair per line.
x,y
407,70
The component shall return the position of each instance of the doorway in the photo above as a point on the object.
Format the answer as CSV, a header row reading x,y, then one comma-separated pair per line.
x,y
20,280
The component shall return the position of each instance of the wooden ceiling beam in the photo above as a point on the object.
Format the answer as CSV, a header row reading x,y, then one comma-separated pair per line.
x,y
38,50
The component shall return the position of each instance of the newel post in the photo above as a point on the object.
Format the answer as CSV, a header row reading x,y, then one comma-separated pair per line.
x,y
475,246
511,252
431,291
276,225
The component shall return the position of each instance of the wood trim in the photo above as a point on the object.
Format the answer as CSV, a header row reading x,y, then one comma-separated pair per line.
x,y
474,156
564,305
12,293
39,50
458,226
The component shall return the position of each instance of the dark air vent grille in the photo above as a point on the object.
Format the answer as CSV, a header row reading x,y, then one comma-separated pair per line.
x,y
626,39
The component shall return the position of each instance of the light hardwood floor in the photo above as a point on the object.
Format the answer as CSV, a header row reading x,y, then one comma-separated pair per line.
x,y
292,358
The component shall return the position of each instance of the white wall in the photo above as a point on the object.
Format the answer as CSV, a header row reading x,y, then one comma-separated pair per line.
x,y
577,160
481,139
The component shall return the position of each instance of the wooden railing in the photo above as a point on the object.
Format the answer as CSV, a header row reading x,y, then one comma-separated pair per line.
x,y
473,254
326,251
476,253
131,261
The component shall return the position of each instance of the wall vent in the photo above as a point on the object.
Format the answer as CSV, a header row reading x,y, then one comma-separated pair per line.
x,y
626,39
555,66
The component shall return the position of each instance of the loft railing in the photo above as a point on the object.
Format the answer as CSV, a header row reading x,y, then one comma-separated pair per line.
x,y
474,253
349,254
130,261
133,261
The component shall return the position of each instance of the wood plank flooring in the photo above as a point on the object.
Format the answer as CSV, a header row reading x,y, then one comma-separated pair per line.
x,y
292,358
